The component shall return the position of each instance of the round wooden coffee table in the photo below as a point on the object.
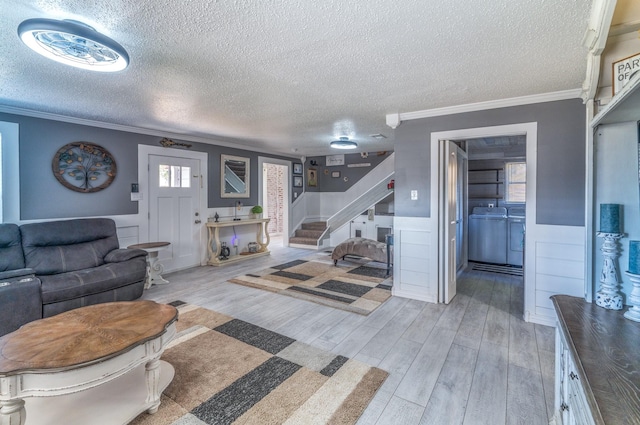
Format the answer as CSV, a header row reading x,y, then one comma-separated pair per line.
x,y
154,269
101,361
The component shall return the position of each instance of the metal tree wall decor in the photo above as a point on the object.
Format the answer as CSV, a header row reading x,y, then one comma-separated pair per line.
x,y
84,167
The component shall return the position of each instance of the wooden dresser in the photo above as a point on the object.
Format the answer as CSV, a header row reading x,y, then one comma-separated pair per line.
x,y
597,364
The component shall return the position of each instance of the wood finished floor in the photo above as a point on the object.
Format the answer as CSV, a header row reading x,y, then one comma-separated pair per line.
x,y
474,361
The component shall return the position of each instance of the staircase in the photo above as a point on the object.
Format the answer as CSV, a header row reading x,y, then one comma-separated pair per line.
x,y
309,234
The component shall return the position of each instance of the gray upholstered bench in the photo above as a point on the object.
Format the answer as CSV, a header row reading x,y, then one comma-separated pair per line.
x,y
362,247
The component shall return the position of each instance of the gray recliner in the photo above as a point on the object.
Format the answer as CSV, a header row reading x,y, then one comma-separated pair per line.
x,y
20,300
74,263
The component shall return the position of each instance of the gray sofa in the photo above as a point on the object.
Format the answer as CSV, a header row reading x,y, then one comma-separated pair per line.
x,y
47,268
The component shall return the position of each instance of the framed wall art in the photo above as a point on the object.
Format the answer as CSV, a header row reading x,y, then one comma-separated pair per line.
x,y
297,181
297,168
84,167
312,177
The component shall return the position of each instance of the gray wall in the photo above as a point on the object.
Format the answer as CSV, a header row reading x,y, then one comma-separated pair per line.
x,y
326,183
560,181
43,197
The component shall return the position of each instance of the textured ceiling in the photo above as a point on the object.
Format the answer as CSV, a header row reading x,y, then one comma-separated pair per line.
x,y
292,75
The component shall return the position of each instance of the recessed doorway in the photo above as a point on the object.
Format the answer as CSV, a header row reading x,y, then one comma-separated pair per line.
x,y
494,136
274,183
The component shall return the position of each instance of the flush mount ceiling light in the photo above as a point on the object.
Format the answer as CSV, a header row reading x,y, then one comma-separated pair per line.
x,y
73,43
344,143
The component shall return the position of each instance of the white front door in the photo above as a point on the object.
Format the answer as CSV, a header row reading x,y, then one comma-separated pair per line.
x,y
174,209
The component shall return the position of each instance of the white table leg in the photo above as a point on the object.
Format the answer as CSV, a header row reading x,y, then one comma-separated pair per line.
x,y
12,412
152,375
155,270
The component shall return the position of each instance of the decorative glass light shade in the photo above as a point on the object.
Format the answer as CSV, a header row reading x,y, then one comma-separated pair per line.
x,y
73,43
344,143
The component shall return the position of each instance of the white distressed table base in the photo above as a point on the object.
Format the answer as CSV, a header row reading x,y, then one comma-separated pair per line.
x,y
115,402
112,391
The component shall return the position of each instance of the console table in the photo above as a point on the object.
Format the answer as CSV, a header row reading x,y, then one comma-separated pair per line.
x,y
101,361
262,238
597,364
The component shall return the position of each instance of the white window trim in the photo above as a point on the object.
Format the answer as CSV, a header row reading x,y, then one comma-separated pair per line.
x,y
10,189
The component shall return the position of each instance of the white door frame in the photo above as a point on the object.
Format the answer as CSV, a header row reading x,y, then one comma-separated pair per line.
x,y
287,191
144,151
530,130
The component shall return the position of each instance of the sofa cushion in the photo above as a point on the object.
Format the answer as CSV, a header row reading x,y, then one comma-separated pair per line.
x,y
69,245
11,256
82,283
124,293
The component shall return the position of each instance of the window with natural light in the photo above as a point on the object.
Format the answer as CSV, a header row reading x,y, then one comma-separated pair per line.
x,y
175,176
515,182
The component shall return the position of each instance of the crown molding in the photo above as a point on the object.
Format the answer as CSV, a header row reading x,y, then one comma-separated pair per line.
x,y
491,104
235,144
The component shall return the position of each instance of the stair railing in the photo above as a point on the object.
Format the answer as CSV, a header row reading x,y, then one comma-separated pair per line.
x,y
360,204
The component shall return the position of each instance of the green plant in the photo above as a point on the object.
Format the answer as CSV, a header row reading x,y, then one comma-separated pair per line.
x,y
257,209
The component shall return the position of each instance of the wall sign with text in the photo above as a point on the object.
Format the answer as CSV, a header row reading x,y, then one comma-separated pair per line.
x,y
333,160
623,70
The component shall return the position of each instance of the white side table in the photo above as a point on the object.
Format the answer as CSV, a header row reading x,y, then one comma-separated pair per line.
x,y
154,269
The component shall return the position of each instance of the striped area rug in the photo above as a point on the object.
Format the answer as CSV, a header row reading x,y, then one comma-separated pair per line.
x,y
357,285
232,372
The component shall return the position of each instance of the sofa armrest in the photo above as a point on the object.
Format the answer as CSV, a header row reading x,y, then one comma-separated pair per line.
x,y
120,255
20,303
16,274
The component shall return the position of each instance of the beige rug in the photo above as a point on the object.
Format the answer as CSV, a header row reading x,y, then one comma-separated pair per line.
x,y
355,284
232,372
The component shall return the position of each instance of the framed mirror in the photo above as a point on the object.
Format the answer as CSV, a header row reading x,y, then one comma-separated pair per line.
x,y
234,176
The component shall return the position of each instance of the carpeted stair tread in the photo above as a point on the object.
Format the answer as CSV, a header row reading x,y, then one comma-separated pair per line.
x,y
303,233
303,241
316,225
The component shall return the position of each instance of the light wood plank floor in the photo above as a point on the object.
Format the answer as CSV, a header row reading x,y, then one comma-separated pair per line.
x,y
474,361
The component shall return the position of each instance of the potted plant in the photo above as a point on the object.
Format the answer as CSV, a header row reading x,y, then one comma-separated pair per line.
x,y
256,211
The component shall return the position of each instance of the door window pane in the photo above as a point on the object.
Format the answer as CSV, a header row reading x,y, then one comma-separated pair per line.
x,y
174,176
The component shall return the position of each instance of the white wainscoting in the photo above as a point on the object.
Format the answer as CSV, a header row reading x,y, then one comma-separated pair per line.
x,y
413,257
128,229
555,265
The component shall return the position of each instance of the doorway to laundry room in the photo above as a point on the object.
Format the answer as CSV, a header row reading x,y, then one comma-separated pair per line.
x,y
482,219
497,181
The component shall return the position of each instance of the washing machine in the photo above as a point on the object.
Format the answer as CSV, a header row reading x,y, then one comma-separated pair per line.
x,y
488,235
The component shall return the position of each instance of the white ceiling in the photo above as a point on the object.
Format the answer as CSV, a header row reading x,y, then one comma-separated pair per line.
x,y
292,75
